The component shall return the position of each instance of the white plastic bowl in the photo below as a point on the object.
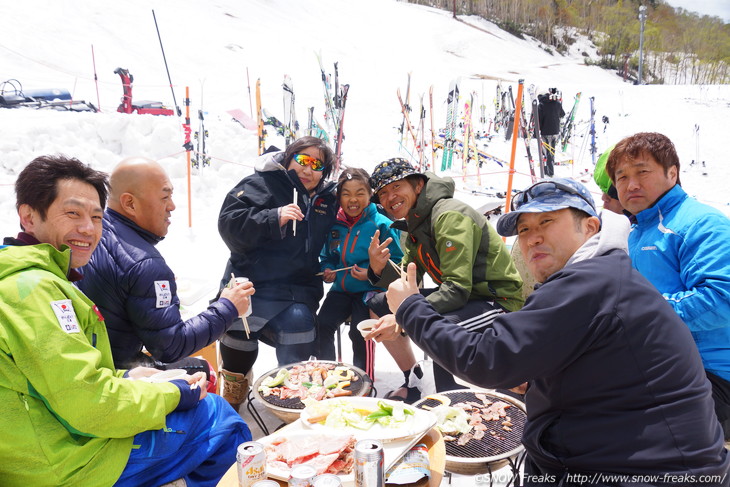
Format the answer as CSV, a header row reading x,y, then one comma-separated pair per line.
x,y
365,326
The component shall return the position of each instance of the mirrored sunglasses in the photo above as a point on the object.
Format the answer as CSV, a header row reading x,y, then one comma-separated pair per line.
x,y
305,160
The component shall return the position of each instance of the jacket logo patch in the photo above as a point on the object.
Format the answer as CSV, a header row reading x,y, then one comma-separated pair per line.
x,y
163,294
66,315
320,202
450,246
650,247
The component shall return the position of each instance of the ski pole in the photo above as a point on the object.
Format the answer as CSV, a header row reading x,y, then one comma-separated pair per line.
x,y
96,80
248,80
177,108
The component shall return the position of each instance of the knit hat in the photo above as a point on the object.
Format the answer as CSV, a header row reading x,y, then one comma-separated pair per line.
x,y
600,176
391,171
548,195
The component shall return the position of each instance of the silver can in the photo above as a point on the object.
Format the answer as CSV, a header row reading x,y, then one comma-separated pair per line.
x,y
251,463
327,480
266,483
239,280
369,460
302,476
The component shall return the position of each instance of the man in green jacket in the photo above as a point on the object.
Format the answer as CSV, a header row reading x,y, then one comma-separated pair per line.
x,y
450,242
68,417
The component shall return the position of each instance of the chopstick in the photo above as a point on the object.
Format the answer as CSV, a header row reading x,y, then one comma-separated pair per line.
x,y
400,267
243,318
294,222
336,270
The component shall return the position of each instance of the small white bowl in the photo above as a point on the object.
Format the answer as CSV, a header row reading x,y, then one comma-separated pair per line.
x,y
366,326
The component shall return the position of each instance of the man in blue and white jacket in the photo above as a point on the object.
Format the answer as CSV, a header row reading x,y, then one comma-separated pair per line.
x,y
680,246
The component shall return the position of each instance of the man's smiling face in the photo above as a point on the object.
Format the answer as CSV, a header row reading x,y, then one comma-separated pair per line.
x,y
399,197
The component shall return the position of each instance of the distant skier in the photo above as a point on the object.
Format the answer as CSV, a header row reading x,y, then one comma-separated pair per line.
x,y
550,111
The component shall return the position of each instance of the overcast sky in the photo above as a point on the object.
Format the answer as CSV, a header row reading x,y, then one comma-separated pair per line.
x,y
720,8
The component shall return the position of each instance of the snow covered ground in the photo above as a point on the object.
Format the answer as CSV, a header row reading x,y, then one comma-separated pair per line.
x,y
213,47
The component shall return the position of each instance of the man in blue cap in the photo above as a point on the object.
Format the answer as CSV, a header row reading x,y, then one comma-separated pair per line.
x,y
616,385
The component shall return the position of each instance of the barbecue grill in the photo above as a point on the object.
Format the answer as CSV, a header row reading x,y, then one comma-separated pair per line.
x,y
491,452
289,409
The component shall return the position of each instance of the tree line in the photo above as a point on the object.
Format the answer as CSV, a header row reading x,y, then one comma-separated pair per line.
x,y
679,46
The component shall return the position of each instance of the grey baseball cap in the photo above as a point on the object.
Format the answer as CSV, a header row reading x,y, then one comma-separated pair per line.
x,y
548,195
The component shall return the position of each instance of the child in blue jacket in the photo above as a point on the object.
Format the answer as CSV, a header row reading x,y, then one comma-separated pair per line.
x,y
347,247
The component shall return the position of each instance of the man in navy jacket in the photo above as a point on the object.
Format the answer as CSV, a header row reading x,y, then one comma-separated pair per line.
x,y
616,385
128,279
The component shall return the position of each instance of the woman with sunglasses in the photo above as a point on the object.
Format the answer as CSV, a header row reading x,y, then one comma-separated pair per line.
x,y
275,242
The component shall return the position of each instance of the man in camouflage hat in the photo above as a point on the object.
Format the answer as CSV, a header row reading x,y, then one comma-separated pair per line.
x,y
450,242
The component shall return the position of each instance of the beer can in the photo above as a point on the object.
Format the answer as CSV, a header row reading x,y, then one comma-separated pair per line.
x,y
302,476
327,480
266,483
239,280
251,463
369,460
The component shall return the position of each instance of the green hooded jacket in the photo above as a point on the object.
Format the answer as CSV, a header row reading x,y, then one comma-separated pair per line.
x,y
67,416
458,248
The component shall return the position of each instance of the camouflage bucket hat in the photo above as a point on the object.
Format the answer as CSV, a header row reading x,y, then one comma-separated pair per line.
x,y
391,171
550,195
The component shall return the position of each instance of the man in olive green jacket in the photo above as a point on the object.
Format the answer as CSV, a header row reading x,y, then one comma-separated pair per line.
x,y
452,243
67,416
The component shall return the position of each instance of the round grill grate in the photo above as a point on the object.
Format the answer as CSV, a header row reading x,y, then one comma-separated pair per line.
x,y
359,386
491,447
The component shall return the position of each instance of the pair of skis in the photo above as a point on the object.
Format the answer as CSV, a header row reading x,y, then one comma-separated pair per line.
x,y
335,102
452,111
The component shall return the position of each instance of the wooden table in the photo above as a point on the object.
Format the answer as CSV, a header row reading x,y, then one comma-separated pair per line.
x,y
436,455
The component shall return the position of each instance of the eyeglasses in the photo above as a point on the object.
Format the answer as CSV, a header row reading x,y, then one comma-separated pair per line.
x,y
546,187
304,160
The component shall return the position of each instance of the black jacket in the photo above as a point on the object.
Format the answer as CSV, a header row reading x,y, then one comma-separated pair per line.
x,y
616,382
135,290
281,265
550,112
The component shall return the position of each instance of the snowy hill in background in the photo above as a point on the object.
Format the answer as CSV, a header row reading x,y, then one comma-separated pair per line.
x,y
210,46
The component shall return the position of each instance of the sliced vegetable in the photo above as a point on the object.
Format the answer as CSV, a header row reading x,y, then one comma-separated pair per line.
x,y
277,380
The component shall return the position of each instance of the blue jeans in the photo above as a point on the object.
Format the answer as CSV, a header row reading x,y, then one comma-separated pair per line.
x,y
198,445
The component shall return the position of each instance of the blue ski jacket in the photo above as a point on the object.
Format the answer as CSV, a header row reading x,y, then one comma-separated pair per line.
x,y
347,244
135,290
681,246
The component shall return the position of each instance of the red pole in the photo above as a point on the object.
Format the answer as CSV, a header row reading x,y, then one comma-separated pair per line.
x,y
188,146
515,136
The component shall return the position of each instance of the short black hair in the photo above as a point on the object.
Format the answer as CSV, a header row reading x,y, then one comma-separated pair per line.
x,y
37,183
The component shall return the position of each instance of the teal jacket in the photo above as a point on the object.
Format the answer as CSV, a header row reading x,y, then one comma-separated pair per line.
x,y
347,244
67,416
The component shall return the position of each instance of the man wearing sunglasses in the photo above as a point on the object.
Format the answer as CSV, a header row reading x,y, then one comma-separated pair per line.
x,y
275,241
680,245
616,386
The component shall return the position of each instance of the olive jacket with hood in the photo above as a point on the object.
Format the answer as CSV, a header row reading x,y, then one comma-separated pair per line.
x,y
67,416
459,249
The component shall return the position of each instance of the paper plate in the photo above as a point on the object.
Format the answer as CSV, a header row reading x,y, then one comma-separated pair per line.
x,y
417,424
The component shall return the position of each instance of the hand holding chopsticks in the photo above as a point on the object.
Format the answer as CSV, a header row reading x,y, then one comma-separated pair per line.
x,y
336,270
238,291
